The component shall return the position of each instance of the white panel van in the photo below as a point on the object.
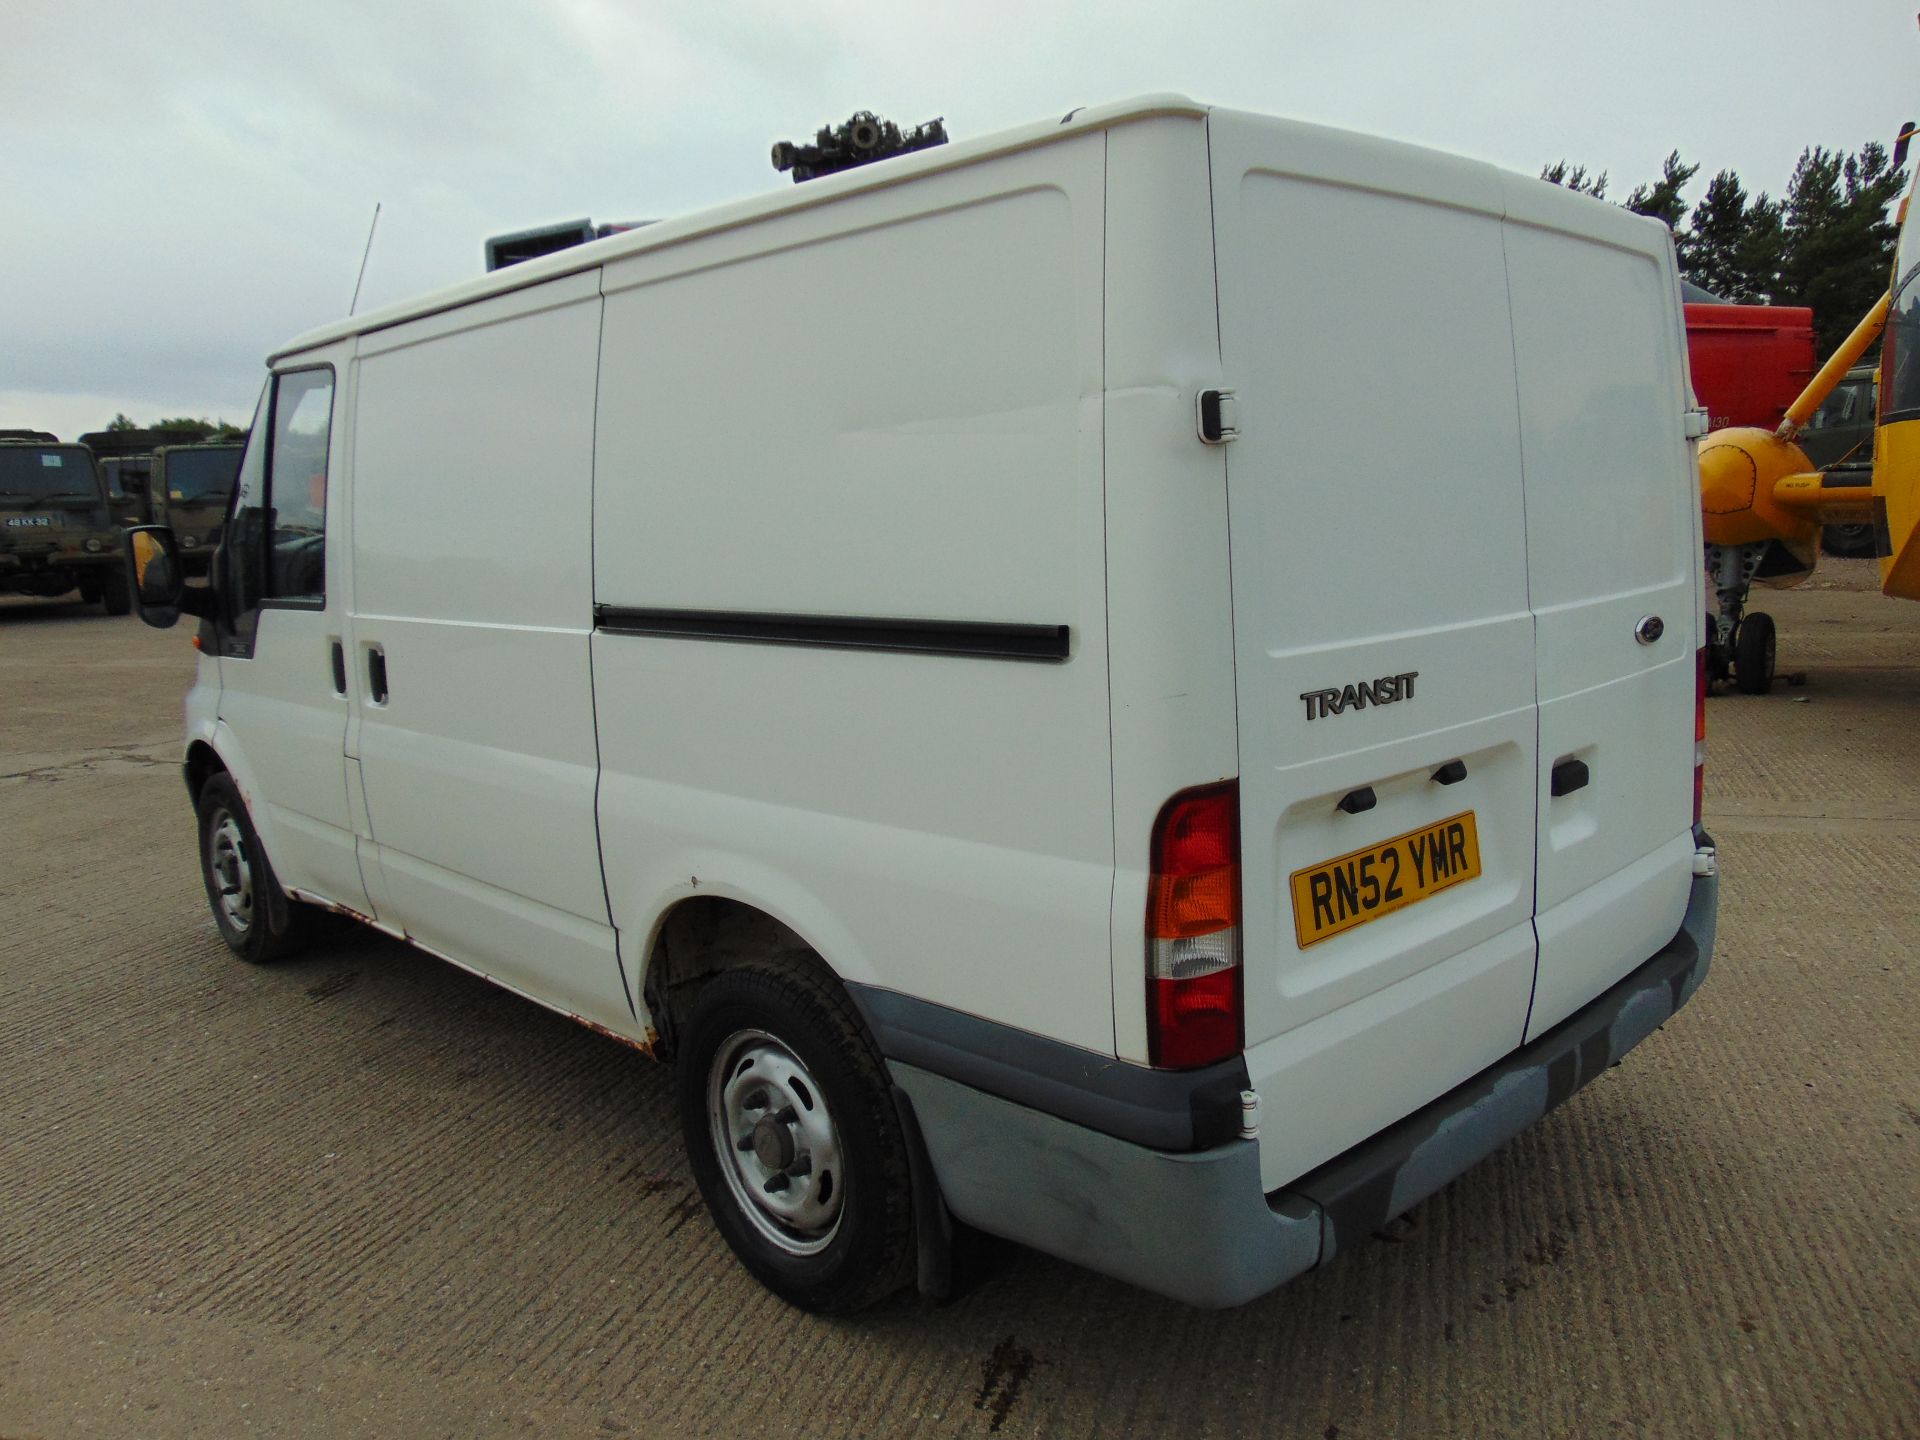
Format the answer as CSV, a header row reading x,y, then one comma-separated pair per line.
x,y
949,657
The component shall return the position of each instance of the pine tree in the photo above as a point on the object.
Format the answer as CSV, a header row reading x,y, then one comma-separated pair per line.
x,y
1576,178
1731,246
1757,254
1662,199
1838,242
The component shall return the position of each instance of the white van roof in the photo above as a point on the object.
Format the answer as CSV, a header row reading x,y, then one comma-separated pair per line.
x,y
743,212
1543,204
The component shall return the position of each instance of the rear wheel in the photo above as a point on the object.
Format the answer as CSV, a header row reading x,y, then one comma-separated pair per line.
x,y
793,1137
1753,654
249,908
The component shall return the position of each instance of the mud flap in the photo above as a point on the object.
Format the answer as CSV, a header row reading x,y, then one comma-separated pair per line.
x,y
932,1221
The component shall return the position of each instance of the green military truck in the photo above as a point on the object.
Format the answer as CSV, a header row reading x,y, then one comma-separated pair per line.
x,y
190,486
57,532
128,495
126,463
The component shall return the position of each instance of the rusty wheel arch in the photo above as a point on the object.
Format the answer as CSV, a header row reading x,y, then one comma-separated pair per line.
x,y
698,938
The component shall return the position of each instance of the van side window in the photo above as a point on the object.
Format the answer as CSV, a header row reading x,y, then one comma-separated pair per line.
x,y
297,485
241,556
275,550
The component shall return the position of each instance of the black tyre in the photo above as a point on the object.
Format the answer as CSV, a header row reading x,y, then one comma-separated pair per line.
x,y
252,912
1849,542
793,1137
1753,651
92,587
116,591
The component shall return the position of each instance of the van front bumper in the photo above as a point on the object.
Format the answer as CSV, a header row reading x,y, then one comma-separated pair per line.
x,y
1195,1226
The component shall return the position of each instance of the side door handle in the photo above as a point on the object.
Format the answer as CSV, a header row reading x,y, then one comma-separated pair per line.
x,y
377,674
339,668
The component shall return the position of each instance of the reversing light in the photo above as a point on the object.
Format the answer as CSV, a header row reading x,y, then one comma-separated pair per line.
x,y
1194,1000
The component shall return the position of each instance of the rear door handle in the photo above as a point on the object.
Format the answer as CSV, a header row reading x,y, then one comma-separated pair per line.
x,y
377,674
1568,776
339,668
1355,802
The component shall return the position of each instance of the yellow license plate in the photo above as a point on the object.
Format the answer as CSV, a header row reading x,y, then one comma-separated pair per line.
x,y
1337,895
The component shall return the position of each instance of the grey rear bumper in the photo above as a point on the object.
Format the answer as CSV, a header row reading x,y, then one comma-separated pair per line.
x,y
1195,1226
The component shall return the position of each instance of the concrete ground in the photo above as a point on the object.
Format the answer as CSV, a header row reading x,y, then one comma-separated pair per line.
x,y
363,1194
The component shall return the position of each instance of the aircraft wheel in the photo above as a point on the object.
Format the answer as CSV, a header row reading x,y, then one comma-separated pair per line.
x,y
1849,542
1753,652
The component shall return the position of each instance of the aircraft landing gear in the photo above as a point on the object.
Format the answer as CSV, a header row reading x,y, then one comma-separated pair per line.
x,y
1753,654
1742,646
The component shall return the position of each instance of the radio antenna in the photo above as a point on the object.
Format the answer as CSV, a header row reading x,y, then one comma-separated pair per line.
x,y
351,304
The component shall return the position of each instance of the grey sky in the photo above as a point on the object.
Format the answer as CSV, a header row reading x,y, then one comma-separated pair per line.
x,y
187,185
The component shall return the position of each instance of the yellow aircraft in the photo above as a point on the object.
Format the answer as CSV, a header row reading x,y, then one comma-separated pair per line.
x,y
1764,501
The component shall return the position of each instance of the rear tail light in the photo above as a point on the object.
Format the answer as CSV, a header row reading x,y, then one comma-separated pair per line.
x,y
1193,930
1699,732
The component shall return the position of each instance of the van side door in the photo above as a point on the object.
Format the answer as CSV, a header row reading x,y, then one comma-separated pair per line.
x,y
283,702
472,506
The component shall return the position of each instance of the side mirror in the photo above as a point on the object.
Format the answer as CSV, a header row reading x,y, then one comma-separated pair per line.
x,y
159,584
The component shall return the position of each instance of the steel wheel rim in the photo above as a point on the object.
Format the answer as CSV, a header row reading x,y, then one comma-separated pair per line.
x,y
776,1142
231,871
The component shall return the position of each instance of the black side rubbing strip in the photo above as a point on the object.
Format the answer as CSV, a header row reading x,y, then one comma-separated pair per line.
x,y
986,639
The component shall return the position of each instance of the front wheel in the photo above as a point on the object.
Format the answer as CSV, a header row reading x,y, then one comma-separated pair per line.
x,y
793,1137
1753,655
252,913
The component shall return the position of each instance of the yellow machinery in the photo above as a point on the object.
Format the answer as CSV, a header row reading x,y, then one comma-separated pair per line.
x,y
1764,502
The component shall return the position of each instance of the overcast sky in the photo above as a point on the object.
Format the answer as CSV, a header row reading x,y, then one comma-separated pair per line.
x,y
188,184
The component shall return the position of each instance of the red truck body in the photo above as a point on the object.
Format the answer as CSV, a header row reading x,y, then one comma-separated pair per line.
x,y
1749,362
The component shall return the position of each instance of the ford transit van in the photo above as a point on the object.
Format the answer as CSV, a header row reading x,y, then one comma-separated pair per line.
x,y
946,657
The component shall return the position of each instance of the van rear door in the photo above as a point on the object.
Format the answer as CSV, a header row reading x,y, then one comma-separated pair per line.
x,y
1613,556
1384,647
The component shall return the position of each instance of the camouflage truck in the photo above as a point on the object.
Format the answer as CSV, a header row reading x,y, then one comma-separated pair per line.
x,y
128,480
126,463
190,486
57,532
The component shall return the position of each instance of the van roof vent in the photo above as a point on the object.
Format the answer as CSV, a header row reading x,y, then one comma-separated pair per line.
x,y
503,250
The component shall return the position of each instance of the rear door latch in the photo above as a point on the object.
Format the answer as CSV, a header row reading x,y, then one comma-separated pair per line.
x,y
1218,415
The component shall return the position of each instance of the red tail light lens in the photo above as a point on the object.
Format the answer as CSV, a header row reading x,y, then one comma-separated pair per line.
x,y
1699,732
1193,930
